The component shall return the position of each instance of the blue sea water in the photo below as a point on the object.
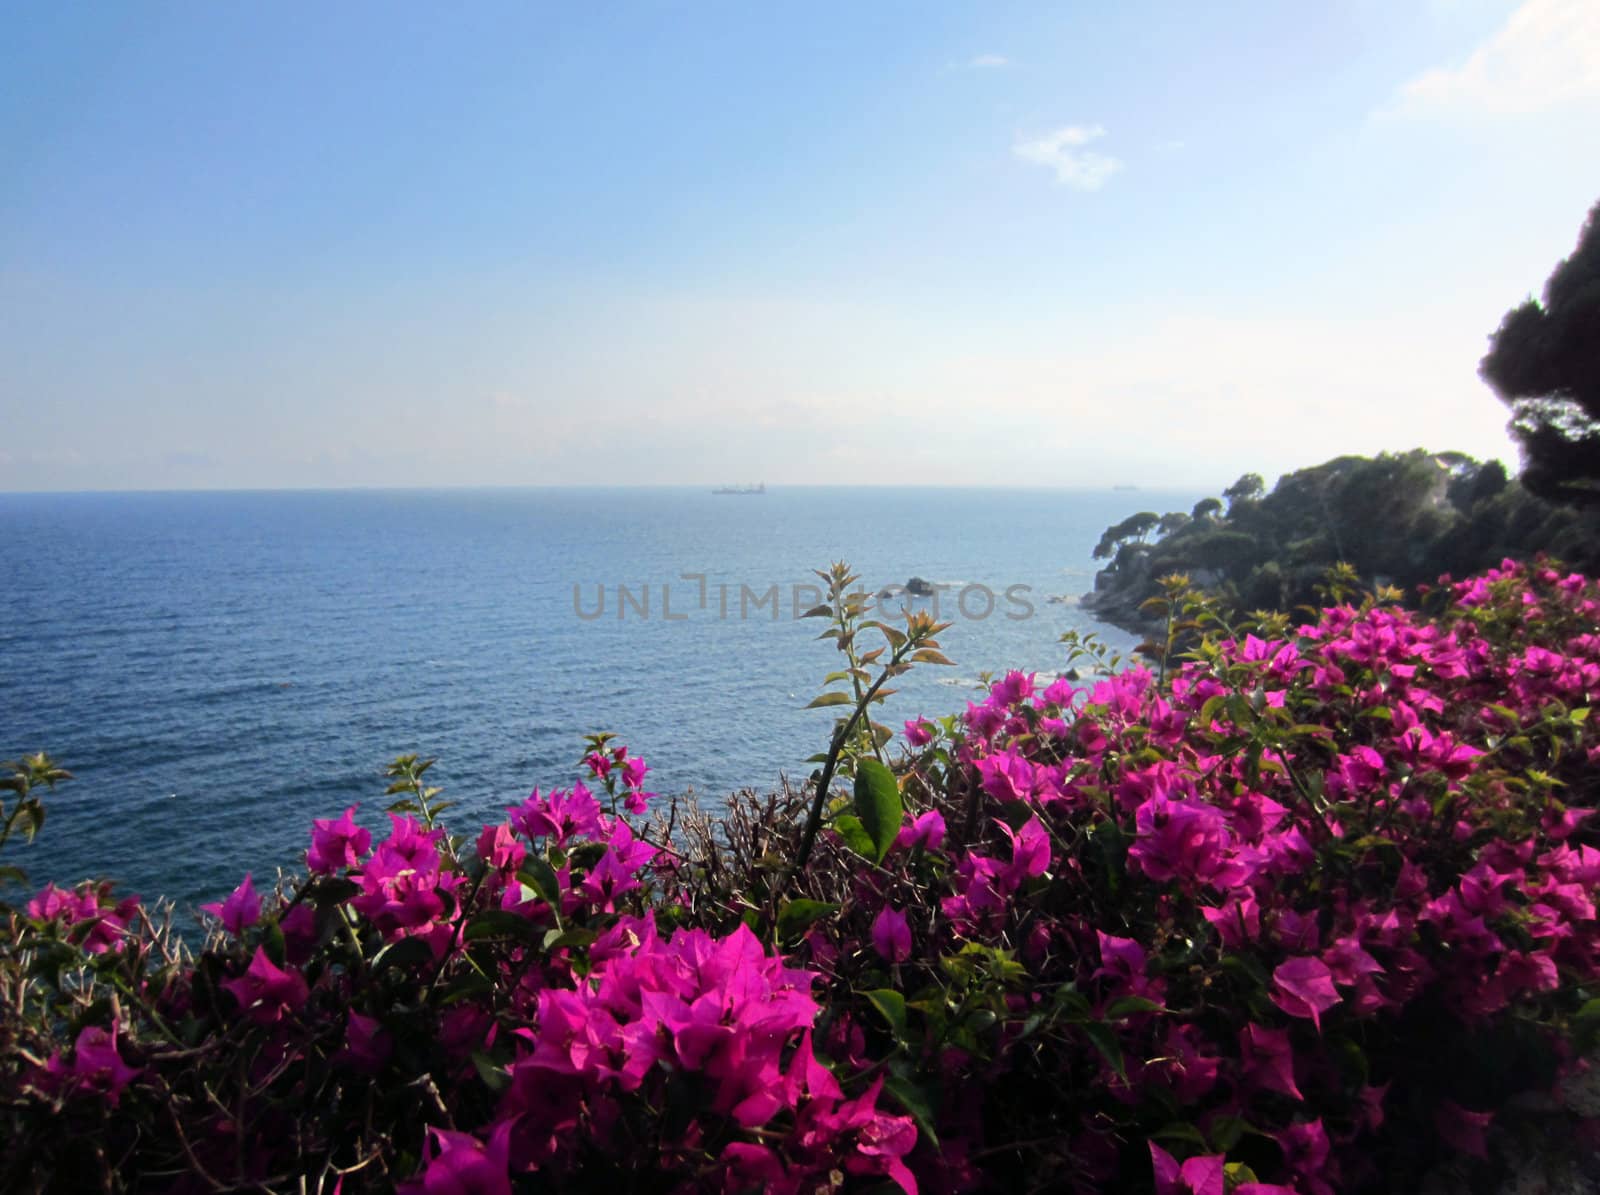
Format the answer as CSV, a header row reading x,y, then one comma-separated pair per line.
x,y
217,669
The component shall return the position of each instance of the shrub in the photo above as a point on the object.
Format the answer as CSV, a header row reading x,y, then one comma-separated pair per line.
x,y
1311,911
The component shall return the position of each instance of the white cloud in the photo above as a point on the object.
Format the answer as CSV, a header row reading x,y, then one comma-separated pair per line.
x,y
1063,151
988,62
1546,54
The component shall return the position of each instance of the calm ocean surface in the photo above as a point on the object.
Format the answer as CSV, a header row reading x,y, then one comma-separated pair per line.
x,y
218,669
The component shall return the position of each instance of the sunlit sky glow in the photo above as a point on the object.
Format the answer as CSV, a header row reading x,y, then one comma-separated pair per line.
x,y
955,244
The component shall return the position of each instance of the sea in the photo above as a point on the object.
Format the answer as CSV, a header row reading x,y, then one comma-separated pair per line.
x,y
218,669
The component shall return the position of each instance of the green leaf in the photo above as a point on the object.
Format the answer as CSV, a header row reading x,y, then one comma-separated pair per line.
x,y
468,987
1352,1060
1228,1131
497,923
892,1006
1073,1005
828,699
537,873
1586,1027
1127,1006
855,836
405,954
586,854
878,805
1244,967
494,1077
333,890
272,941
800,914
1105,1040
1182,1133
558,939
915,1101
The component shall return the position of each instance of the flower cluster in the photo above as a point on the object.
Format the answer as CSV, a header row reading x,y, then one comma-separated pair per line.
x,y
1291,911
1309,912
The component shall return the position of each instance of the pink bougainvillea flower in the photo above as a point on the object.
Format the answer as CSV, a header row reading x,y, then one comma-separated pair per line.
x,y
239,911
1238,923
499,848
881,1141
1462,1129
747,1166
1179,839
1303,987
96,924
409,843
1030,852
51,902
1348,963
460,1164
96,1065
1007,776
919,732
337,843
265,992
1124,962
927,831
633,771
367,1044
891,935
808,1076
299,926
560,816
1267,1060
1012,689
400,894
1305,1149
1201,1175
617,872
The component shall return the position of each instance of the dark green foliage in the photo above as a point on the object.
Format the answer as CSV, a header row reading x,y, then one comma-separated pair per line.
x,y
1400,519
1246,489
1134,528
1544,362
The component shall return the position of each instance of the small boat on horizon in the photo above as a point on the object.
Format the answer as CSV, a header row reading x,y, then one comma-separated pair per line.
x,y
759,488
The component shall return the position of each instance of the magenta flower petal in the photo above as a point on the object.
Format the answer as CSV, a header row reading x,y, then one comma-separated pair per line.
x,y
240,911
1303,987
891,935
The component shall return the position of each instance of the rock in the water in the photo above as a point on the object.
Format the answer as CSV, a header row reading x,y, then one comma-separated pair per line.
x,y
917,587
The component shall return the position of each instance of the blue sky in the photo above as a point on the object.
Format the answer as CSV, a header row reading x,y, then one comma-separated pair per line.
x,y
1067,244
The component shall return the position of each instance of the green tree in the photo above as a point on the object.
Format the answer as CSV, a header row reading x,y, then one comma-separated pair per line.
x,y
1133,528
1247,489
1544,362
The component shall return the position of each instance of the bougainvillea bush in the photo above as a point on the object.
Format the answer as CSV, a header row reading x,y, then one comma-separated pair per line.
x,y
1305,908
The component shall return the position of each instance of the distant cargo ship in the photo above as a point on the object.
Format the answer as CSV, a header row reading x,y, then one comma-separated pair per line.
x,y
758,488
